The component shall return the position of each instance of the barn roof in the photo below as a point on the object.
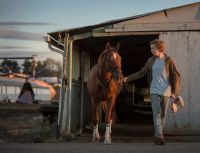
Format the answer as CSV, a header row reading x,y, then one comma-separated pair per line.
x,y
85,29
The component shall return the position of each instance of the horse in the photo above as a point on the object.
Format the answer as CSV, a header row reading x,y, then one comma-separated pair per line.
x,y
104,84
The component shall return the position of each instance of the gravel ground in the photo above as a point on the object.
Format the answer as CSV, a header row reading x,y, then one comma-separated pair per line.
x,y
24,124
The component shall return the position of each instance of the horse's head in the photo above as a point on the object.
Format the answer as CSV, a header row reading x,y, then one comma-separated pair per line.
x,y
112,60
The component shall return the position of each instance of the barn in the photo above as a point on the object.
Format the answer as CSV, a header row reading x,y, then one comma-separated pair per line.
x,y
179,27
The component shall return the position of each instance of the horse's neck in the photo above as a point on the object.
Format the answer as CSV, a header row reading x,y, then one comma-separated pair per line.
x,y
103,74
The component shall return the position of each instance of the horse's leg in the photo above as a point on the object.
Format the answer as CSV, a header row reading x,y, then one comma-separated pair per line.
x,y
108,120
95,115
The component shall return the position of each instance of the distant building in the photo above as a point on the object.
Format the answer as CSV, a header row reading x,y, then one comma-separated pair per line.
x,y
11,85
50,80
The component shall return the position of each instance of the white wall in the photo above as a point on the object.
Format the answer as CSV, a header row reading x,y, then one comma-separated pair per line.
x,y
10,92
194,67
184,48
182,18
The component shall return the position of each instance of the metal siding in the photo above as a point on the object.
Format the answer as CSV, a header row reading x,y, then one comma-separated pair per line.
x,y
177,48
87,113
86,66
194,67
75,106
179,15
75,64
183,47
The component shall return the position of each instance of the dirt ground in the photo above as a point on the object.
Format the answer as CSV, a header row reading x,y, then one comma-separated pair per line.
x,y
23,123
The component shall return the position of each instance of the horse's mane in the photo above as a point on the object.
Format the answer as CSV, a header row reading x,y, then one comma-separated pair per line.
x,y
102,56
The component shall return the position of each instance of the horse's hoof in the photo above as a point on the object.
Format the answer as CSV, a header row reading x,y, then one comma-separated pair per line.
x,y
107,141
96,139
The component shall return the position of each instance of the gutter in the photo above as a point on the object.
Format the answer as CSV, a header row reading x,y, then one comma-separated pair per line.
x,y
49,39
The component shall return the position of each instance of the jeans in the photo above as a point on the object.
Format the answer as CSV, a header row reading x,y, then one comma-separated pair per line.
x,y
159,108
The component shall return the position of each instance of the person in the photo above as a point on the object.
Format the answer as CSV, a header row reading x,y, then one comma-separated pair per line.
x,y
164,81
26,95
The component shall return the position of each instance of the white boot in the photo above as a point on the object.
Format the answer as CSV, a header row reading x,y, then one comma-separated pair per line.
x,y
96,136
107,139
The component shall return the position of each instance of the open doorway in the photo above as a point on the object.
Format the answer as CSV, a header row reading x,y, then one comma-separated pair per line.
x,y
133,105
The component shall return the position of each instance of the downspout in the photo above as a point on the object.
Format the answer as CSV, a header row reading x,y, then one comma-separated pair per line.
x,y
48,40
62,93
55,50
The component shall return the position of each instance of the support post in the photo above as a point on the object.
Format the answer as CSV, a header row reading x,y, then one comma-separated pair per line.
x,y
69,87
63,100
82,92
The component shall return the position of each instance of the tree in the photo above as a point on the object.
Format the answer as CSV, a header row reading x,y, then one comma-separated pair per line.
x,y
10,66
49,68
27,67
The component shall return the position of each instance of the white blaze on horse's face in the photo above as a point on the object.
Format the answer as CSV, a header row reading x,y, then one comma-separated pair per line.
x,y
114,55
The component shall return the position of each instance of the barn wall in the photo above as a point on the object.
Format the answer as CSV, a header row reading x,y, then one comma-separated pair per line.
x,y
75,63
174,19
194,67
184,49
86,57
76,89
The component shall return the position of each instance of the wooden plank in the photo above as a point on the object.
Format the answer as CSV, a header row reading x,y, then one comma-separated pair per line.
x,y
82,36
109,34
156,27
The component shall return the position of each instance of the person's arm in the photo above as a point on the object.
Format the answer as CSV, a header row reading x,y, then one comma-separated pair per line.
x,y
176,79
141,73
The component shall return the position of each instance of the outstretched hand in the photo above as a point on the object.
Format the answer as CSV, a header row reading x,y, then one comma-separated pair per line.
x,y
125,80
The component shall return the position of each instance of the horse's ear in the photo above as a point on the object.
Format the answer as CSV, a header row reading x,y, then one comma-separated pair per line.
x,y
117,46
108,46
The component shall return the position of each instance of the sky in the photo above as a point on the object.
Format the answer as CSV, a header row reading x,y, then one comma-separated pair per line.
x,y
23,23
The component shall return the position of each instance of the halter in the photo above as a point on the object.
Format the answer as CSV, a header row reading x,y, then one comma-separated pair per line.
x,y
112,69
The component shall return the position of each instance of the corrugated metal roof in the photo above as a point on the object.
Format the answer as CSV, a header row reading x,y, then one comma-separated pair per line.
x,y
89,28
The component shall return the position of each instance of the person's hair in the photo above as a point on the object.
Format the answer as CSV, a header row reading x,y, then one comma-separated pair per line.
x,y
160,45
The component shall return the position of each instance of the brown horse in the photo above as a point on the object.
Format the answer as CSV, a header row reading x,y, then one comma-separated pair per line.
x,y
104,84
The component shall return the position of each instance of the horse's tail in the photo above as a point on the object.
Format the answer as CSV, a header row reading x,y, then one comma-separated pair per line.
x,y
104,106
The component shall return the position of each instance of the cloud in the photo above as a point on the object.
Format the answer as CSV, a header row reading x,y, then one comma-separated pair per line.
x,y
21,53
40,55
13,34
13,47
16,23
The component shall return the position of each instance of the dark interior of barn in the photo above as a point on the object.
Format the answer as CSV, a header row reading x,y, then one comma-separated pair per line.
x,y
131,107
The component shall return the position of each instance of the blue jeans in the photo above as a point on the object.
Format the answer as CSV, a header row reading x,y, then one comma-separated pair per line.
x,y
159,108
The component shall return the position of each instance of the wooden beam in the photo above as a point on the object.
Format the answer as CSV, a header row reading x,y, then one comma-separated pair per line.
x,y
82,36
168,26
110,34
